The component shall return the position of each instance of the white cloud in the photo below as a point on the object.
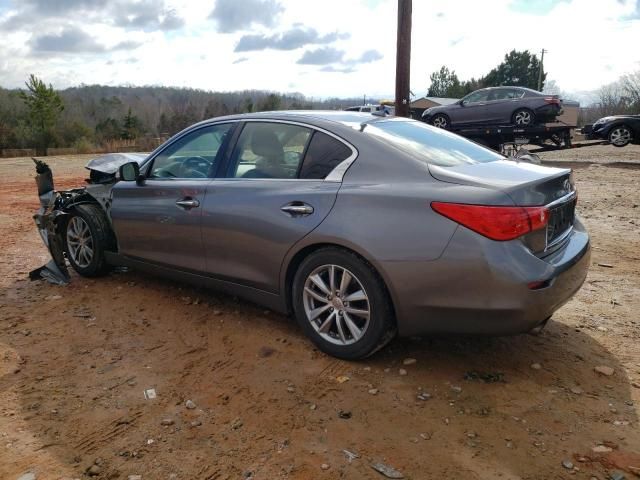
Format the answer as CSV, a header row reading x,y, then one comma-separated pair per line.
x,y
589,43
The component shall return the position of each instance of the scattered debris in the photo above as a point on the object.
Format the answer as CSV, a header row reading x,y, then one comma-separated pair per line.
x,y
605,265
486,377
190,404
402,372
150,394
536,366
424,396
604,370
236,424
344,414
342,379
576,390
325,466
351,456
313,406
386,470
409,361
167,422
134,477
568,464
373,391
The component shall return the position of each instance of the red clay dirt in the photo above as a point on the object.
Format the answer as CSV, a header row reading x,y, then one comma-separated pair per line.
x,y
75,362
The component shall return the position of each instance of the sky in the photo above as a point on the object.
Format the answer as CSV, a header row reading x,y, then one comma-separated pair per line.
x,y
321,48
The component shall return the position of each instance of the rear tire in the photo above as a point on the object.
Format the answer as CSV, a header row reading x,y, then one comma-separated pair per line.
x,y
332,312
440,120
523,117
620,136
87,236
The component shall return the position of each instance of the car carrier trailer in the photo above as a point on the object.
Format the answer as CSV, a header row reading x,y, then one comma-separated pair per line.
x,y
509,138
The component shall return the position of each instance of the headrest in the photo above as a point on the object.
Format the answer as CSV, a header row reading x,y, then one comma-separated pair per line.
x,y
265,144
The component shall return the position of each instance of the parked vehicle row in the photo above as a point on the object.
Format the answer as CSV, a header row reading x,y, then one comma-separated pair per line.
x,y
619,130
362,226
497,105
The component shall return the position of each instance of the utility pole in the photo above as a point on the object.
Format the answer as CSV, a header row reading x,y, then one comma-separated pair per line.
x,y
403,58
540,70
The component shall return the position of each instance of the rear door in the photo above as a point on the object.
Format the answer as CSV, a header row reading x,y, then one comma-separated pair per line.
x,y
274,193
472,110
159,220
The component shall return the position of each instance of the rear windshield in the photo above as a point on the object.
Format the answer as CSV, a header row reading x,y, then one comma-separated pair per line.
x,y
430,144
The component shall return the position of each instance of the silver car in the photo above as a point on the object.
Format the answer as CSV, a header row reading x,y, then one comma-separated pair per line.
x,y
361,226
496,105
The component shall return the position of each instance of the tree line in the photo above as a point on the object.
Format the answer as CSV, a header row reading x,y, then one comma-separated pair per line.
x,y
521,69
91,115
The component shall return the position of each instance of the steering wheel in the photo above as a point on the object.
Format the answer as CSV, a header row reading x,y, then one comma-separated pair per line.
x,y
191,167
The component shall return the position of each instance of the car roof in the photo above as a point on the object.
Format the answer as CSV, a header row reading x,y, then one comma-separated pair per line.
x,y
310,116
530,90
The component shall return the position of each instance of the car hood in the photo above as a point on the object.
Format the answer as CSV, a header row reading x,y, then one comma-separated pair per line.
x,y
617,117
110,162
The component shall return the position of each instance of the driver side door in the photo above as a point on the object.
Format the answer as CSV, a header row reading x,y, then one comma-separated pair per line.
x,y
159,219
473,108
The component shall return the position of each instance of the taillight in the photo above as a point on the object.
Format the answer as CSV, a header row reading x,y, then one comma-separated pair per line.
x,y
555,100
496,223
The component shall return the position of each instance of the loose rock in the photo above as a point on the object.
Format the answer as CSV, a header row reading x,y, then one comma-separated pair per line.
x,y
27,476
409,361
536,366
190,404
325,466
568,464
373,391
402,372
604,370
167,422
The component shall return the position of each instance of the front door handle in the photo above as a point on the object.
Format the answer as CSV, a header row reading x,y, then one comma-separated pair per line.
x,y
188,203
296,209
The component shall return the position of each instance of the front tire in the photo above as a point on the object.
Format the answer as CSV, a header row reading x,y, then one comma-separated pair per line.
x,y
523,117
440,120
87,236
620,136
342,304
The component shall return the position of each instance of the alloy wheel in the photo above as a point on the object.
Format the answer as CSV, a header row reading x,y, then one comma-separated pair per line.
x,y
522,117
336,304
620,136
440,122
80,242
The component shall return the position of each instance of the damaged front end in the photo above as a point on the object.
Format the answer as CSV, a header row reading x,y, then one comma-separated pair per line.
x,y
55,206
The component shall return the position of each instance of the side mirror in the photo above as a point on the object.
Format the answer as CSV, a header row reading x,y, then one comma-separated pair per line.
x,y
461,103
130,172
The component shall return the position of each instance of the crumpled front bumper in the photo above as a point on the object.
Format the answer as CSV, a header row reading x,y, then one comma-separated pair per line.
x,y
49,220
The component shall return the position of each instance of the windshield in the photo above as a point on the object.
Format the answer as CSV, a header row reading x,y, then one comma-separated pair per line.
x,y
430,144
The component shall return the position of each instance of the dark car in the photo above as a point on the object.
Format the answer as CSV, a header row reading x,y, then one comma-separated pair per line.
x,y
360,225
619,130
497,105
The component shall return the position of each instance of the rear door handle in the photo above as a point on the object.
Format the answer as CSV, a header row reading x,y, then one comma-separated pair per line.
x,y
296,209
188,203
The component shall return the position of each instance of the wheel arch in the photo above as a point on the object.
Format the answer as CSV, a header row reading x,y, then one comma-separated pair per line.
x,y
295,258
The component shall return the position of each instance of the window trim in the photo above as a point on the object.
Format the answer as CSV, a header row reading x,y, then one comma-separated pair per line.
x,y
147,165
336,175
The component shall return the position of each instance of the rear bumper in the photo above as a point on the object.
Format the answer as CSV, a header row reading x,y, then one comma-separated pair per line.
x,y
479,286
549,111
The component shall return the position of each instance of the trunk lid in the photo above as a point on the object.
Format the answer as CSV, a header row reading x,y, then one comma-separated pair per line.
x,y
527,184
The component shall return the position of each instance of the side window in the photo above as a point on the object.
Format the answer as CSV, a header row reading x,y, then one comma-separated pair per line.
x,y
269,150
365,109
475,97
193,156
323,154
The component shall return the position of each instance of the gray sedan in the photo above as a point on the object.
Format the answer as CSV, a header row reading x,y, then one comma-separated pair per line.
x,y
361,226
497,105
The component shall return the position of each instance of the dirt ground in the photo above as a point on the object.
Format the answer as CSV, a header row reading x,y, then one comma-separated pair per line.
x,y
75,362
